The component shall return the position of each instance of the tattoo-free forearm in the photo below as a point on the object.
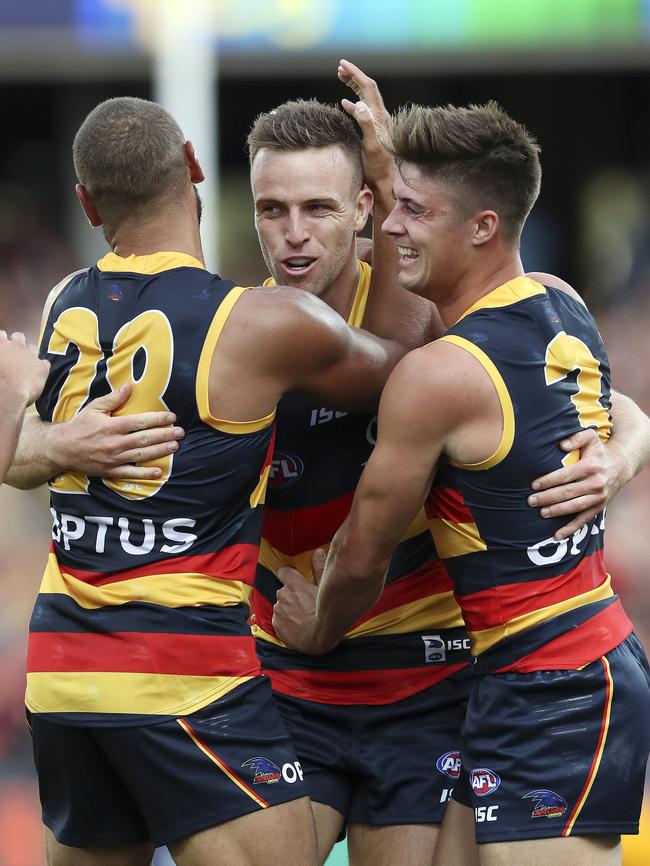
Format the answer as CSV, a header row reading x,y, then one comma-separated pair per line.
x,y
630,439
33,463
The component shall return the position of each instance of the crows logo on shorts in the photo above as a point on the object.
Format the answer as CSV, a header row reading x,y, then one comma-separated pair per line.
x,y
484,781
266,772
547,804
449,764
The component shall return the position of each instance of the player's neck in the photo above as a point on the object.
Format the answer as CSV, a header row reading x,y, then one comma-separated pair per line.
x,y
340,294
476,283
170,233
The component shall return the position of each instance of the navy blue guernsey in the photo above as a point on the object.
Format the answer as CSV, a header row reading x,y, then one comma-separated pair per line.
x,y
413,636
529,602
143,608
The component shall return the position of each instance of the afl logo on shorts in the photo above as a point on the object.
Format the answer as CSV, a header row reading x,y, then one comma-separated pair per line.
x,y
449,764
484,781
285,470
266,772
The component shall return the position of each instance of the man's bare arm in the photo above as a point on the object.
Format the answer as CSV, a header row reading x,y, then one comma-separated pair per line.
x,y
22,377
391,311
584,488
94,443
392,489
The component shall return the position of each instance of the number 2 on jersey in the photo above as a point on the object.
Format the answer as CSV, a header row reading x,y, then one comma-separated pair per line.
x,y
564,354
149,332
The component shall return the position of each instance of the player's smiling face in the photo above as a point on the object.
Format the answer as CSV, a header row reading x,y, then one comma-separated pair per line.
x,y
432,234
307,210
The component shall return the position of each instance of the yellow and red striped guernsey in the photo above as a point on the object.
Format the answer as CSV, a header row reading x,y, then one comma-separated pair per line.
x,y
143,608
529,602
414,635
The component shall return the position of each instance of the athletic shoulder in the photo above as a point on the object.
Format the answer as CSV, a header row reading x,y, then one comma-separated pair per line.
x,y
556,283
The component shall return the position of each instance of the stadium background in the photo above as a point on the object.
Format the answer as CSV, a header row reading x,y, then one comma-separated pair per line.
x,y
578,74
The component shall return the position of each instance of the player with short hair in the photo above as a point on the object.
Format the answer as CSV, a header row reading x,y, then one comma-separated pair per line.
x,y
555,743
151,721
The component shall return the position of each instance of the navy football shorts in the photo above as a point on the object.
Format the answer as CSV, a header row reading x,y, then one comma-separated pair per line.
x,y
382,764
558,753
110,787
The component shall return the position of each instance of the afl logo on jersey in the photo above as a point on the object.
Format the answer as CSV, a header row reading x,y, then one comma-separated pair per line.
x,y
285,470
449,764
484,781
115,293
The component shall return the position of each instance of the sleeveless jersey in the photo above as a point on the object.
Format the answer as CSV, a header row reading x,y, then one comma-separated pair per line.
x,y
413,636
143,608
529,602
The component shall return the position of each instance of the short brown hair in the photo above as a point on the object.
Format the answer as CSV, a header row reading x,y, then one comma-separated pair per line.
x,y
128,152
491,159
305,123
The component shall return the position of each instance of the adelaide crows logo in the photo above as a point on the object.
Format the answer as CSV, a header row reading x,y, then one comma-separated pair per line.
x,y
547,804
266,772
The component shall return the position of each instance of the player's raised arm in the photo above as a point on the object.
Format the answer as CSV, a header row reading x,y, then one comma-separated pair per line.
x,y
391,311
22,377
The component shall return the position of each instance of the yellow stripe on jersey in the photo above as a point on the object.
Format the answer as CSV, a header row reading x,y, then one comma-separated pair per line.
x,y
203,373
259,494
441,609
435,611
485,638
508,434
455,539
274,559
168,590
358,309
509,293
51,298
156,263
133,693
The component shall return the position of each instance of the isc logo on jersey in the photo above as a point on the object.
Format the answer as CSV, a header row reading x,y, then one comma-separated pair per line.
x,y
285,470
484,781
449,764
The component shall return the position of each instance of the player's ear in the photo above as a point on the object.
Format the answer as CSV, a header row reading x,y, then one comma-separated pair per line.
x,y
196,172
486,224
88,207
364,204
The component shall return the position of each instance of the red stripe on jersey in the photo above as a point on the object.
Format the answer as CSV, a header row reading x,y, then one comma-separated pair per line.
x,y
500,604
293,532
237,562
426,581
448,504
359,687
143,652
580,645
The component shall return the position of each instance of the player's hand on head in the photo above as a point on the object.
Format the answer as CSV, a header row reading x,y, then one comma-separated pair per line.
x,y
22,373
99,443
581,489
374,122
294,612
